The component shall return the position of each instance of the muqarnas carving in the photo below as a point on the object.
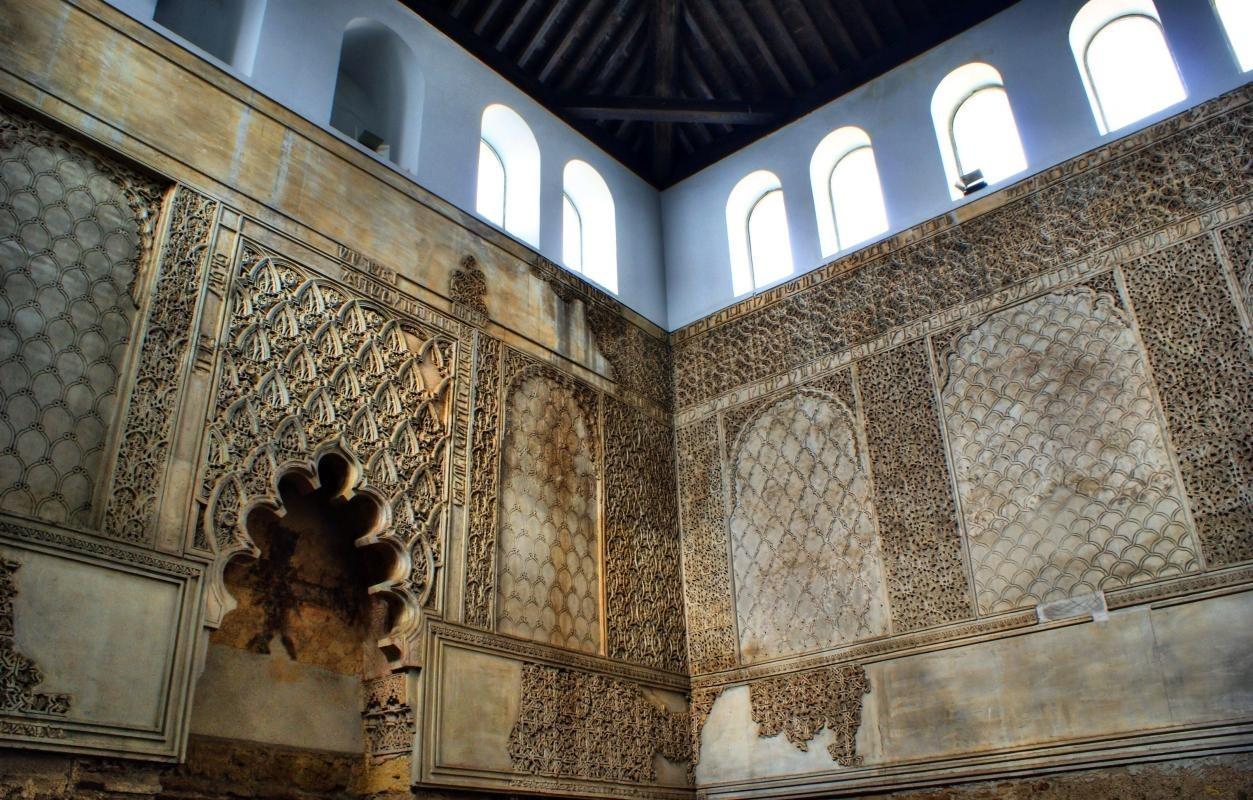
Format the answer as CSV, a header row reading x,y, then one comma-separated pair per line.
x,y
74,232
307,367
549,571
575,724
1065,481
808,574
802,704
388,717
19,676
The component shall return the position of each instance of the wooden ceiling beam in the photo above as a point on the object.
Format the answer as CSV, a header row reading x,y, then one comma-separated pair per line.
x,y
609,24
672,109
628,45
540,38
487,16
783,38
583,20
743,21
827,22
802,24
855,11
697,85
665,49
515,24
708,21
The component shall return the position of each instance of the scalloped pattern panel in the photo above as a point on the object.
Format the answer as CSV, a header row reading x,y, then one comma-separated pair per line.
x,y
549,581
69,252
808,573
1059,451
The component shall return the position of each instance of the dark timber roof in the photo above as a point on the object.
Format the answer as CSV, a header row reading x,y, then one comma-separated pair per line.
x,y
670,86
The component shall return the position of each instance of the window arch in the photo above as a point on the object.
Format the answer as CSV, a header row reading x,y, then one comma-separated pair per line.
x,y
1125,63
589,226
761,250
1237,19
508,177
847,194
227,29
379,92
975,125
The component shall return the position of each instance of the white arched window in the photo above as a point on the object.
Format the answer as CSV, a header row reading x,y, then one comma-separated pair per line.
x,y
1237,19
975,126
508,179
589,226
761,251
1126,66
378,92
227,29
847,194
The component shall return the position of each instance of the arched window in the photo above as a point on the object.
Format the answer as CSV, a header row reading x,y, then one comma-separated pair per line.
x,y
1124,61
975,127
228,29
1237,19
378,93
508,180
847,194
589,225
761,251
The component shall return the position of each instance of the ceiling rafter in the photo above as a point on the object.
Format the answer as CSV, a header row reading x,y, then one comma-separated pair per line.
x,y
744,22
540,38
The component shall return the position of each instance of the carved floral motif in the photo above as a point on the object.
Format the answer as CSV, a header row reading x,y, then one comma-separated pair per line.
x,y
19,676
467,288
801,704
388,717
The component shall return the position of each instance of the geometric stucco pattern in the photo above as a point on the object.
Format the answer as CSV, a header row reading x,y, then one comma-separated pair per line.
x,y
712,643
549,575
1065,482
307,367
74,231
1238,242
643,585
480,583
1202,360
578,724
802,704
803,533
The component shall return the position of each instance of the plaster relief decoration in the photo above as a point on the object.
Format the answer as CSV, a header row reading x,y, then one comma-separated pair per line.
x,y
1239,244
467,288
549,570
808,573
575,724
74,231
643,584
711,638
388,716
19,676
168,335
308,367
1065,482
800,705
484,483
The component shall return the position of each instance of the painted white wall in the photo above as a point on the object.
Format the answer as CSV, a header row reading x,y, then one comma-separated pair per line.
x,y
1028,43
296,64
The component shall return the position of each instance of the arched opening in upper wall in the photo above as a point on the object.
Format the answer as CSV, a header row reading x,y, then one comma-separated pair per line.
x,y
757,232
1124,61
848,197
379,92
1237,19
589,228
975,128
508,178
229,30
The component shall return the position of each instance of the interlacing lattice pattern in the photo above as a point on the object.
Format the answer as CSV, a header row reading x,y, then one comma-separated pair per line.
x,y
73,232
549,576
807,567
308,366
800,705
19,676
484,480
1238,242
575,724
643,586
1065,482
1203,366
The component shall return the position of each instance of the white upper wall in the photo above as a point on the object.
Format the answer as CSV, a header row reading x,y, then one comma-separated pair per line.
x,y
1029,44
297,63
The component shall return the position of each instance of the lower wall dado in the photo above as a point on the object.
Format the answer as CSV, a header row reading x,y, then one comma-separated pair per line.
x,y
970,508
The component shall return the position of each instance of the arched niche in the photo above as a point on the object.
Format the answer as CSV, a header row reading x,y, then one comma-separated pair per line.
x,y
379,92
227,29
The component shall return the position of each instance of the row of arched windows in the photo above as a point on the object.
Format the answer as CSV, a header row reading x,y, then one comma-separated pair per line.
x,y
1128,72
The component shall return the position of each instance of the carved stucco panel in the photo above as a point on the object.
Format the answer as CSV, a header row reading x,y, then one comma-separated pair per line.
x,y
1065,482
74,232
19,675
801,704
548,575
808,574
1202,362
484,484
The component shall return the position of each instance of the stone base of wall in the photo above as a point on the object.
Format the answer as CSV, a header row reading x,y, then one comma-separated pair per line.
x,y
1228,777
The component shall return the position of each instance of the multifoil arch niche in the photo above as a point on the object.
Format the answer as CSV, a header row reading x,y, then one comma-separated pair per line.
x,y
309,369
804,546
